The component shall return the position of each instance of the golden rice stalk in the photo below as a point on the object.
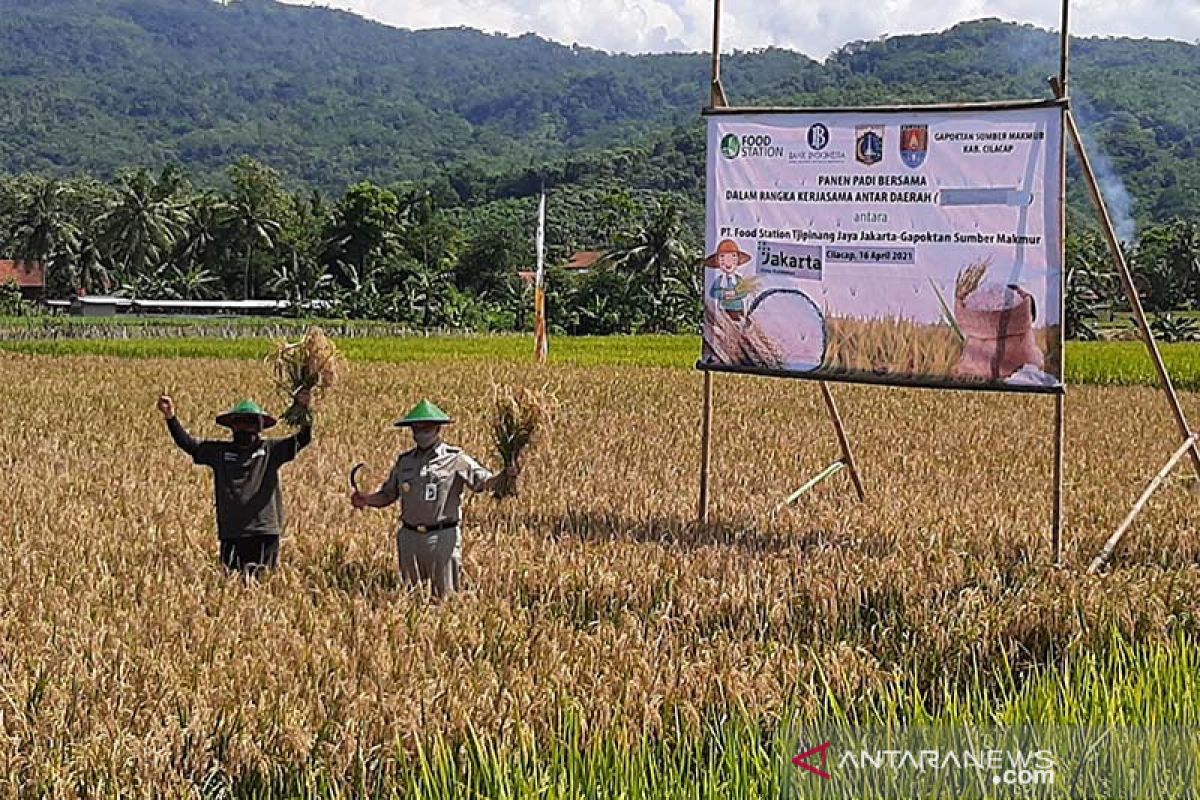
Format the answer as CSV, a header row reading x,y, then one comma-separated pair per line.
x,y
722,337
522,419
759,349
747,285
969,279
312,363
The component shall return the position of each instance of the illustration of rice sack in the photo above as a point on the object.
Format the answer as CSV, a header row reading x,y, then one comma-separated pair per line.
x,y
997,323
784,330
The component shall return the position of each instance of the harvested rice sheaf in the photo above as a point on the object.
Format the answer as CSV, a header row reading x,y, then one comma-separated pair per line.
x,y
312,363
723,337
969,280
522,419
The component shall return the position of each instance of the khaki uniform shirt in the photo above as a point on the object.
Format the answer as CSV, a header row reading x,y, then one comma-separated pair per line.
x,y
429,484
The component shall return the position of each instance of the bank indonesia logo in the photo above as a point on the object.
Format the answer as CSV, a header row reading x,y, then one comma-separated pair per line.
x,y
818,137
731,146
914,144
868,147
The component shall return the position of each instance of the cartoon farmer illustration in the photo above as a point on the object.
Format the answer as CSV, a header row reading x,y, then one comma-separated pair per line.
x,y
729,290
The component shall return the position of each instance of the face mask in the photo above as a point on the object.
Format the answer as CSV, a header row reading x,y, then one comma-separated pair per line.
x,y
245,438
426,439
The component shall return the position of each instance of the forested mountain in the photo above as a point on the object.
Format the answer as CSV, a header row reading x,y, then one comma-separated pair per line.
x,y
329,99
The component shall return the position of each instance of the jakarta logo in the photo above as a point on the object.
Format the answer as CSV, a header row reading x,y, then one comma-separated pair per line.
x,y
914,144
731,145
868,148
818,137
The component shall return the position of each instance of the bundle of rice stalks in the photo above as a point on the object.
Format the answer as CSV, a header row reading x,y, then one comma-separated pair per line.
x,y
759,349
722,337
739,343
523,417
746,286
312,363
969,280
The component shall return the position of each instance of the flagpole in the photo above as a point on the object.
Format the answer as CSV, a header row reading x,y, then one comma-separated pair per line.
x,y
541,344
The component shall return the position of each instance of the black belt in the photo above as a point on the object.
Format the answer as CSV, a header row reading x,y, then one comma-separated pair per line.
x,y
441,526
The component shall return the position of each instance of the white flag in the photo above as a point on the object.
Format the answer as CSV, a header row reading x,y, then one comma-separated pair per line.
x,y
541,239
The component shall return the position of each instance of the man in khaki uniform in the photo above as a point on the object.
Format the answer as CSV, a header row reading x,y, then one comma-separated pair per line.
x,y
429,480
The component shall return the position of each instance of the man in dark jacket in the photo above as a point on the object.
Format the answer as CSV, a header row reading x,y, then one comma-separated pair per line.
x,y
249,501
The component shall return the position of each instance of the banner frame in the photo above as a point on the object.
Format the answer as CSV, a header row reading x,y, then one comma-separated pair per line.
x,y
935,108
864,379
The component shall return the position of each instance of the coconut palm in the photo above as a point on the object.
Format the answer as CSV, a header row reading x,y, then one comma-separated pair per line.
x,y
662,268
43,229
142,228
254,215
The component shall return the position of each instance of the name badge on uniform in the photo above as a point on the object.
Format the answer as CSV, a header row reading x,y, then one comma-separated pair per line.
x,y
431,492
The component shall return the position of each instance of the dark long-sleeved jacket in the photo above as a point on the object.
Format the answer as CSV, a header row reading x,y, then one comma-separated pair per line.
x,y
248,496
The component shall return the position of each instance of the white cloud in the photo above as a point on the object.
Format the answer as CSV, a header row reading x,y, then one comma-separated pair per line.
x,y
816,27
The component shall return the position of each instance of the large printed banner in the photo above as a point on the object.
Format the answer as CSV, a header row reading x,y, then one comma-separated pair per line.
x,y
917,247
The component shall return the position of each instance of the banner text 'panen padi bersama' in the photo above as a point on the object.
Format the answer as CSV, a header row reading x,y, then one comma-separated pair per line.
x,y
897,247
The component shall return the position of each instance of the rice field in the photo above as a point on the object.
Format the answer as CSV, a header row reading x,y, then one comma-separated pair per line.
x,y
607,645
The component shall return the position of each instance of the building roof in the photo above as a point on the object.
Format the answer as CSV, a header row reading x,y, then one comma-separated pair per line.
x,y
584,259
26,274
580,260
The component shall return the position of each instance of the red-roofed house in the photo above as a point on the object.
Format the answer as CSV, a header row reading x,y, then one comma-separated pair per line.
x,y
29,276
579,263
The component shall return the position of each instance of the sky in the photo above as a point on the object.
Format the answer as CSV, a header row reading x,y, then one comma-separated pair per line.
x,y
813,27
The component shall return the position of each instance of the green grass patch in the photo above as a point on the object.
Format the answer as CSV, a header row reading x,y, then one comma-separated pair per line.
x,y
1095,363
656,351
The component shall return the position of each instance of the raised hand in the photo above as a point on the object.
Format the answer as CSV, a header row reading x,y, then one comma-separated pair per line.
x,y
166,406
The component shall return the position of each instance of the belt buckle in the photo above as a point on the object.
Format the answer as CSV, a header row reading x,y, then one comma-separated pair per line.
x,y
422,529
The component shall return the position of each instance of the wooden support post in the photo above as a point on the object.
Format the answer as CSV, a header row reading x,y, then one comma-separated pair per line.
x,y
1064,50
1111,545
1135,302
1056,527
843,441
717,97
1058,522
706,446
825,474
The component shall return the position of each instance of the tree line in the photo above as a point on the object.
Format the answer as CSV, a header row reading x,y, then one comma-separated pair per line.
x,y
408,254
415,254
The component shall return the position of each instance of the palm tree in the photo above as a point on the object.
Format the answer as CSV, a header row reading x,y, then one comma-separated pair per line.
x,y
661,266
254,215
200,245
251,224
142,228
44,230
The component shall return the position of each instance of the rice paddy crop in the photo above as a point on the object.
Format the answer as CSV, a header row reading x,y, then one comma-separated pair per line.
x,y
606,644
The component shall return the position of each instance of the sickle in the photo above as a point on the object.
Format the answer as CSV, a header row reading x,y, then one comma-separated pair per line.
x,y
354,475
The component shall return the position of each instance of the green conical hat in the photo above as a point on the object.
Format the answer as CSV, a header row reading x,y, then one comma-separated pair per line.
x,y
246,408
424,411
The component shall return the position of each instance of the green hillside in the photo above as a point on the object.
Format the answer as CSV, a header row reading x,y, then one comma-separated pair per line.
x,y
329,98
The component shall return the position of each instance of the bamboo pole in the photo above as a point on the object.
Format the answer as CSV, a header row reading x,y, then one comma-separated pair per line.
x,y
1060,441
717,97
1111,545
1058,522
843,441
706,446
1064,53
828,472
1135,302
